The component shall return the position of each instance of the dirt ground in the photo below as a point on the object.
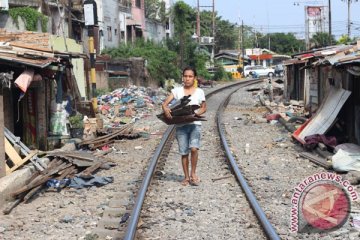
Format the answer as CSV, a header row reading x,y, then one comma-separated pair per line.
x,y
214,210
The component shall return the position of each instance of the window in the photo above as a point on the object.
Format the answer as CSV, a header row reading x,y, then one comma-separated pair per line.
x,y
115,32
138,3
109,33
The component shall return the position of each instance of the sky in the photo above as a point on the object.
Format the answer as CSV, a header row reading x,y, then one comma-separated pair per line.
x,y
283,15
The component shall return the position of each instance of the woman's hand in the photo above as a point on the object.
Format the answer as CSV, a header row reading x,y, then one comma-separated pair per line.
x,y
165,108
167,113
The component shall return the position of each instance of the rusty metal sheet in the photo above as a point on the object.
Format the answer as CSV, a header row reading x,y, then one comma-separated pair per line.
x,y
294,61
31,60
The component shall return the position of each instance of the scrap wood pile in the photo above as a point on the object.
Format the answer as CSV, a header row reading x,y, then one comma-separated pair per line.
x,y
127,131
60,172
181,112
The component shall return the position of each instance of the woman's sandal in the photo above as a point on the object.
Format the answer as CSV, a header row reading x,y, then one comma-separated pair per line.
x,y
195,181
185,182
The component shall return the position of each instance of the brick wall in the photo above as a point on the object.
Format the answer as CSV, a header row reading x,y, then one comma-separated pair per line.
x,y
27,38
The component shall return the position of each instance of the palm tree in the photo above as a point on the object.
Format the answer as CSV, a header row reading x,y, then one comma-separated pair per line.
x,y
321,39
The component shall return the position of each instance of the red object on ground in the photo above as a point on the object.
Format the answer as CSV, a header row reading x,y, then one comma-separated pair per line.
x,y
105,148
274,116
299,130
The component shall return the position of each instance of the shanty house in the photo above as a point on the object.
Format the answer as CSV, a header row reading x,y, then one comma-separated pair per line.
x,y
327,80
38,85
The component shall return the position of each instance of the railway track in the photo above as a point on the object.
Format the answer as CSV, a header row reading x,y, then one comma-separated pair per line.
x,y
171,206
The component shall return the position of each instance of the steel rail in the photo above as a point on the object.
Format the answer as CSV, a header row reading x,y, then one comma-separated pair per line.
x,y
267,227
135,214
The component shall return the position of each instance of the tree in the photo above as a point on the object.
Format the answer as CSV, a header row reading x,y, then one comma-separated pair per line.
x,y
344,39
221,74
282,43
183,17
226,35
156,10
161,62
321,39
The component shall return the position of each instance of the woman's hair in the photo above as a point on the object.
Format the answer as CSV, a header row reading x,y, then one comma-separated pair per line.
x,y
191,69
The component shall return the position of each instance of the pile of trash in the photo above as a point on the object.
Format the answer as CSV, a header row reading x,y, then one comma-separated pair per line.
x,y
271,95
126,105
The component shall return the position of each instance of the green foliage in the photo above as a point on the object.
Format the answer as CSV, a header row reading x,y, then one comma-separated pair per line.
x,y
101,91
226,35
163,15
344,39
76,121
199,60
250,37
156,10
184,19
151,8
184,16
321,39
221,74
282,43
161,62
30,16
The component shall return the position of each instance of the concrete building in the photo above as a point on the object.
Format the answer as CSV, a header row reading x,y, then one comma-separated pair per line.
x,y
159,29
124,14
109,23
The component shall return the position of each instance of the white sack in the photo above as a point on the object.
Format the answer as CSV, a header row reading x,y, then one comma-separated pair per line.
x,y
344,161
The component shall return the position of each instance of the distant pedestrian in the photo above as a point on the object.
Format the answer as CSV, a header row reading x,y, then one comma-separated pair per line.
x,y
188,135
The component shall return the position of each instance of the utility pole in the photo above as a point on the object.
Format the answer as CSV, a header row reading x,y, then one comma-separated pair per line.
x,y
198,21
239,46
212,44
213,33
349,22
349,18
90,13
69,18
330,32
242,42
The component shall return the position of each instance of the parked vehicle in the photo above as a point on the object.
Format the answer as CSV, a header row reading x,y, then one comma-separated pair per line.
x,y
258,70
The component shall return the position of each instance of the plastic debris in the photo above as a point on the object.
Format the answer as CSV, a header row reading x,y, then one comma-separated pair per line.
x,y
126,105
58,184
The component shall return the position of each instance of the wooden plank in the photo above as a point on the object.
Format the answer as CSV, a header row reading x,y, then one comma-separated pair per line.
x,y
12,205
98,145
109,136
42,180
315,159
11,152
2,150
15,157
88,171
35,190
31,193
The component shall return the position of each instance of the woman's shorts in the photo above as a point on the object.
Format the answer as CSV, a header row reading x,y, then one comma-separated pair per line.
x,y
188,136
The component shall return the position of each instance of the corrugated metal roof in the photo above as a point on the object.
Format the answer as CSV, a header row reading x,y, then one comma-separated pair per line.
x,y
40,62
335,55
294,61
348,60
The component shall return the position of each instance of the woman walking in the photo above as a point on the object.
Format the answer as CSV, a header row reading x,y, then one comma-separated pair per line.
x,y
188,135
